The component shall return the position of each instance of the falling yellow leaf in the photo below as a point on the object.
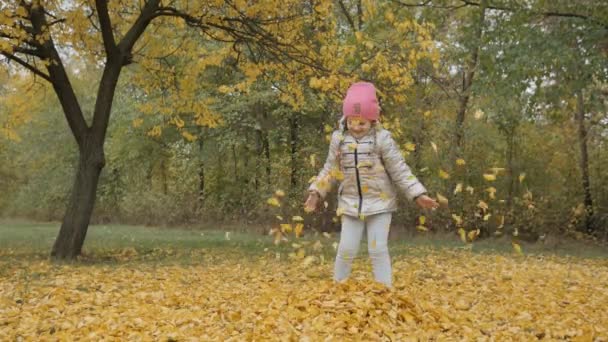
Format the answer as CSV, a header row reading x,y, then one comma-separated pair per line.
x,y
487,217
421,228
483,205
410,147
463,235
352,146
335,245
364,189
327,235
457,219
470,189
279,217
460,162
443,174
328,128
339,211
301,253
297,219
313,160
422,220
227,236
434,147
441,199
286,227
502,222
458,188
309,260
492,192
427,114
384,196
522,176
473,234
337,174
273,201
489,177
298,229
361,217
279,193
517,248
478,114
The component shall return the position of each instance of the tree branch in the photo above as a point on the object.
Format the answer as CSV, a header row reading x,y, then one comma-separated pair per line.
x,y
26,65
147,14
106,27
347,15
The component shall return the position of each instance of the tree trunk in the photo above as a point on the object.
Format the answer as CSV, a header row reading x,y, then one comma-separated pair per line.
x,y
467,82
201,175
584,162
293,132
73,230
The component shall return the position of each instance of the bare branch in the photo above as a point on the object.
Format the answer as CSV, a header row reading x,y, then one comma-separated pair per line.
x,y
26,65
347,15
138,28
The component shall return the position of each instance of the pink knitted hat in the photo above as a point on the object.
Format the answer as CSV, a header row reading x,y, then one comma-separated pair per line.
x,y
361,101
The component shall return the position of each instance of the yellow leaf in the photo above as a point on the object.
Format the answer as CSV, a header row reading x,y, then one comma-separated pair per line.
x,y
441,199
328,128
279,193
489,177
339,211
301,253
298,229
273,201
427,114
460,162
473,234
286,227
458,188
313,160
457,219
297,219
327,235
384,196
364,189
443,174
470,189
422,220
361,217
337,174
478,114
483,205
352,146
410,147
487,217
227,236
522,176
434,147
421,228
462,234
280,218
502,222
517,248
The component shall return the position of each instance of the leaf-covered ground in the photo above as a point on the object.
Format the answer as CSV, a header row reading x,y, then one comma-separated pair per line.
x,y
438,295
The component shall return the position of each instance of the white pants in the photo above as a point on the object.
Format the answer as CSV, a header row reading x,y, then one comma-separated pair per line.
x,y
377,237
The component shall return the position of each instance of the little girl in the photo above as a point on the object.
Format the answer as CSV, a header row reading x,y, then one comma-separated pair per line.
x,y
366,161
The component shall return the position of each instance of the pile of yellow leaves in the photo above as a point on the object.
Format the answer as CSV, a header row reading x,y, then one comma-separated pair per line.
x,y
443,295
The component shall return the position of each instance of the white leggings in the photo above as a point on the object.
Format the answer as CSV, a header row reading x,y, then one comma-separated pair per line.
x,y
377,235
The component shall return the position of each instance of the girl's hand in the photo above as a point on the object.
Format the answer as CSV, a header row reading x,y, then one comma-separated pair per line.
x,y
311,202
426,202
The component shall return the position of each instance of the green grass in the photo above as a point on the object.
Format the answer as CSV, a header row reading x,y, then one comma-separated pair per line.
x,y
104,242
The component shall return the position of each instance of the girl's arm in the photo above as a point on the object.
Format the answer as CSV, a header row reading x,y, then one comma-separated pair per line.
x,y
397,169
324,181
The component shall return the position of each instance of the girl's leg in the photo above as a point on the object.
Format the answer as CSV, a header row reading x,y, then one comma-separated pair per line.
x,y
350,239
377,241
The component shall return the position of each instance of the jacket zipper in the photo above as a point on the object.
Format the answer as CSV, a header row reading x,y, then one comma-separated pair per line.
x,y
358,179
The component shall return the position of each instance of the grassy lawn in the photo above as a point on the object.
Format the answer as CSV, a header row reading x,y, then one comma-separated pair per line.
x,y
36,239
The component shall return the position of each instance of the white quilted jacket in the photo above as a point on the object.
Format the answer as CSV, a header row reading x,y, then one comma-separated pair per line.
x,y
367,170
